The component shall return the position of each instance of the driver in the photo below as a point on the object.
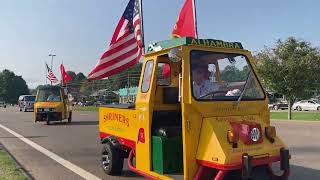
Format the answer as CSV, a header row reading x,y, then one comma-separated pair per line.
x,y
201,83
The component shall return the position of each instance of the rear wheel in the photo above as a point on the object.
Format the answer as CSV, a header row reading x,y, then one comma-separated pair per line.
x,y
112,160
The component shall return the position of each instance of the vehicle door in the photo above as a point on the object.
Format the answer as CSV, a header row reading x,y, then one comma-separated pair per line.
x,y
312,106
303,105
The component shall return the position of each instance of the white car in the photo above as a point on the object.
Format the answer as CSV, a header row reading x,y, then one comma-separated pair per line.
x,y
307,105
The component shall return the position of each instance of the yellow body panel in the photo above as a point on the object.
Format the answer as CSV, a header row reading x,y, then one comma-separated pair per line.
x,y
118,122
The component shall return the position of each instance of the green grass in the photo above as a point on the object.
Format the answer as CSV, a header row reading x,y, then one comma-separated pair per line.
x,y
8,169
85,108
308,116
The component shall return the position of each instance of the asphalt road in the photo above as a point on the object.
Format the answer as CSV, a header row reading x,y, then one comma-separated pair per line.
x,y
79,144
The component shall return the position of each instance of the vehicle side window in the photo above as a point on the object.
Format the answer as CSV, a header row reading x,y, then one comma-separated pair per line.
x,y
163,74
147,76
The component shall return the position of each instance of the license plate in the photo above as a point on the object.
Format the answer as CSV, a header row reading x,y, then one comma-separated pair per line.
x,y
46,109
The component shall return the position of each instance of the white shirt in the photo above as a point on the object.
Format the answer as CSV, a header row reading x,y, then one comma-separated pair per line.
x,y
204,88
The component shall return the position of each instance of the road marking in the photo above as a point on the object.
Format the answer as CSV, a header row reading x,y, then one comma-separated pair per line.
x,y
67,164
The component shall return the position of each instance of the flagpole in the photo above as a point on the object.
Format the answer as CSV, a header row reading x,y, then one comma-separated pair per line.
x,y
195,17
61,74
46,73
141,25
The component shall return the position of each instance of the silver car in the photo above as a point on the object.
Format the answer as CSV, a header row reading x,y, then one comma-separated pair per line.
x,y
26,102
307,105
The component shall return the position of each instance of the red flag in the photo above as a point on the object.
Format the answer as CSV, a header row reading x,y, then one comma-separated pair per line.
x,y
166,71
125,48
65,76
186,23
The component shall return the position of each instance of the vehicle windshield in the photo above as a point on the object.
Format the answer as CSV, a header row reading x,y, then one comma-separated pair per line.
x,y
30,98
49,95
223,76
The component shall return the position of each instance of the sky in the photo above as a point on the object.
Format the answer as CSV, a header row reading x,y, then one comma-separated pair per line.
x,y
78,31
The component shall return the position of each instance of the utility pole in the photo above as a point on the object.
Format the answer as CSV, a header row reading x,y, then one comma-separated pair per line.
x,y
52,55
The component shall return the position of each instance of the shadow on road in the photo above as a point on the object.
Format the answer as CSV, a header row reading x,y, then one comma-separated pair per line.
x,y
77,123
128,173
299,172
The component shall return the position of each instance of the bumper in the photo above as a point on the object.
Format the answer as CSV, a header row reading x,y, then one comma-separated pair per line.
x,y
247,165
51,116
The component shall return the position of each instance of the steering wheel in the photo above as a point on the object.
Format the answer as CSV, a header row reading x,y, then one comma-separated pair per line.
x,y
213,93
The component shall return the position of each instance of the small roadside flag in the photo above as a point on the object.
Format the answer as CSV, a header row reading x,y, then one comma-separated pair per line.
x,y
52,78
125,48
65,76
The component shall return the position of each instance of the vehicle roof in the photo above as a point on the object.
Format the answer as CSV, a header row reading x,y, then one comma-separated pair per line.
x,y
49,87
185,41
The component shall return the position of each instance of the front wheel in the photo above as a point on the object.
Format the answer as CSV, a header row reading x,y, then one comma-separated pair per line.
x,y
260,173
70,117
318,108
112,160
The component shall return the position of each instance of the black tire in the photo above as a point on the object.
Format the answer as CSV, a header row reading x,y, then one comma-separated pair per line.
x,y
299,108
70,117
20,109
111,160
24,109
48,121
318,108
260,173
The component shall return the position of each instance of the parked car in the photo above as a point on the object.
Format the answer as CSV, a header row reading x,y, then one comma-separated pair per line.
x,y
99,103
3,104
307,105
280,105
26,102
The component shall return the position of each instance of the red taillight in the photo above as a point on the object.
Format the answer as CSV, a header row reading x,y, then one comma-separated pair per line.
x,y
141,136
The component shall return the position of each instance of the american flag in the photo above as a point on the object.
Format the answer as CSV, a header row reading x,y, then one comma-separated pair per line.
x,y
125,48
52,78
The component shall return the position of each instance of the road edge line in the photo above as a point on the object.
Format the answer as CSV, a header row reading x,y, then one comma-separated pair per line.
x,y
67,164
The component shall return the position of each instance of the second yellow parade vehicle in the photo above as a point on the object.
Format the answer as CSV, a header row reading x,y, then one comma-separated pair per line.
x,y
52,104
207,118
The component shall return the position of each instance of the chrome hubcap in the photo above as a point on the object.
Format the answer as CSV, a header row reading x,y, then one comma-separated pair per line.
x,y
105,160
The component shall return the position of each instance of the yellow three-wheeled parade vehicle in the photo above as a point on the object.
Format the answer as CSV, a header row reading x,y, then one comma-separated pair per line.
x,y
207,118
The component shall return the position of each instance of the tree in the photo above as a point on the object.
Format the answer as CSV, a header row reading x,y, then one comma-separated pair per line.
x,y
292,68
12,86
72,74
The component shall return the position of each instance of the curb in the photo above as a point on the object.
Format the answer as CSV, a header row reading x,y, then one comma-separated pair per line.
x,y
17,164
287,120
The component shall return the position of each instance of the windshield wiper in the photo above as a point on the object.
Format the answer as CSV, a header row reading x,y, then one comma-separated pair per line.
x,y
244,90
